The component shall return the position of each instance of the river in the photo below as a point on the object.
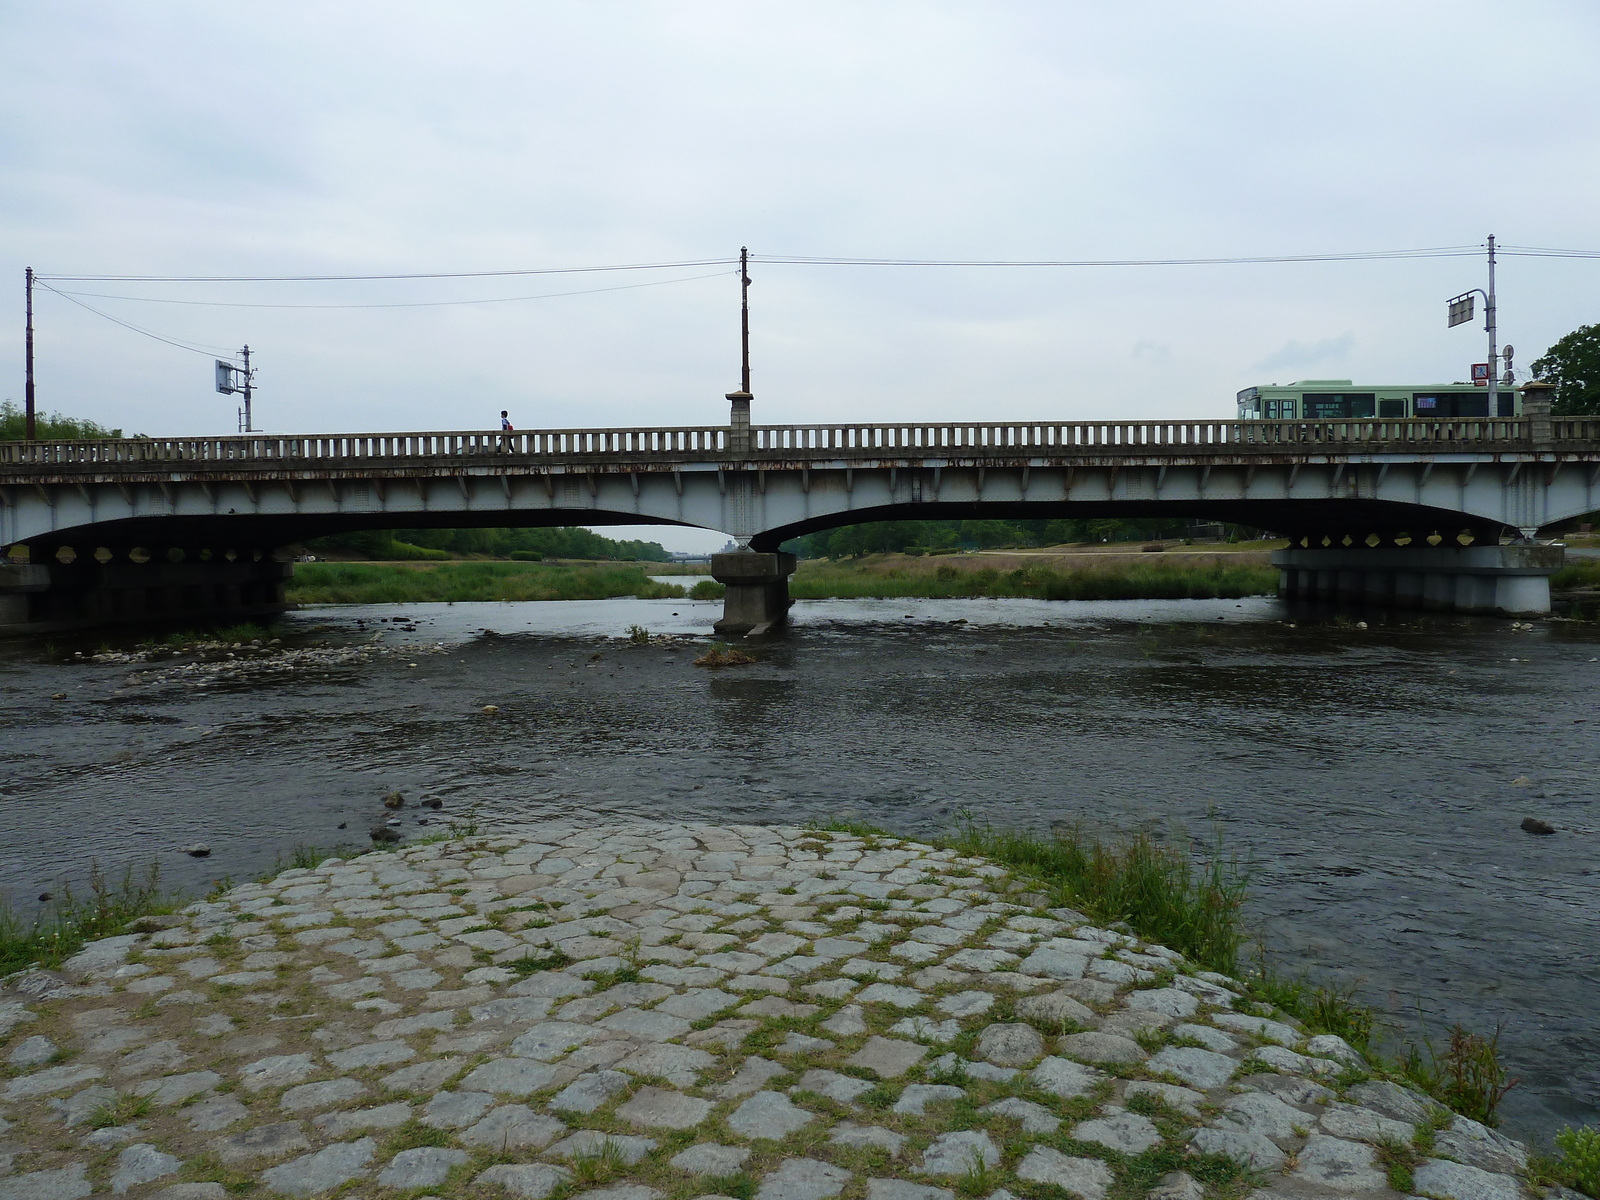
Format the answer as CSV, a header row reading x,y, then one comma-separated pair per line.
x,y
1375,778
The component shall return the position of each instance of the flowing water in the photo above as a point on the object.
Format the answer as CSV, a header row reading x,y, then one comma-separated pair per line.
x,y
1374,778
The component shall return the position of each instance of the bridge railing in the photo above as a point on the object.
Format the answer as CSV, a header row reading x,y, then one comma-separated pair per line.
x,y
963,440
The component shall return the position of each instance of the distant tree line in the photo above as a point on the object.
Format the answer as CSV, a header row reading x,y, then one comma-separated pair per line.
x,y
885,537
1573,365
48,426
552,542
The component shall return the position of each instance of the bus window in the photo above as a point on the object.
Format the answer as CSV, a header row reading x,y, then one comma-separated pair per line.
x,y
1272,410
1288,410
1391,408
1336,406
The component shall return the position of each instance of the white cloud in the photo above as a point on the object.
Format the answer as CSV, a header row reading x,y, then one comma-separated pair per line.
x,y
1297,355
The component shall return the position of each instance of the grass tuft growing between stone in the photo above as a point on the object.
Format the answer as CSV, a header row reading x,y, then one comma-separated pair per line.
x,y
1467,1075
1580,1156
76,918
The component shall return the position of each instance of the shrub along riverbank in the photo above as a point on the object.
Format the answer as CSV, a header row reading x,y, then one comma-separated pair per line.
x,y
394,583
897,577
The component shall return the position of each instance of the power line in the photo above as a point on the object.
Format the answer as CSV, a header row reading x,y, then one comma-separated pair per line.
x,y
661,266
1546,252
207,352
1354,256
401,304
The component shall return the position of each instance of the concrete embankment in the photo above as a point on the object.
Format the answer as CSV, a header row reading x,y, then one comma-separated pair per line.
x,y
676,1010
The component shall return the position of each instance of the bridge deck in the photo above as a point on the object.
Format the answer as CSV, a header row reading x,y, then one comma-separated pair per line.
x,y
780,446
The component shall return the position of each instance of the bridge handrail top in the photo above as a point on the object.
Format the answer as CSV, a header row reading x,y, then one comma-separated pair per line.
x,y
246,438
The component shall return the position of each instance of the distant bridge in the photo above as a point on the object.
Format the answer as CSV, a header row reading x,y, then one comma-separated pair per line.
x,y
130,528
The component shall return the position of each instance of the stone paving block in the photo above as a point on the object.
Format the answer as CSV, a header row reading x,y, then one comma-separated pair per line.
x,y
32,1052
322,1171
213,1113
1034,1118
424,1076
865,968
1088,1178
926,1029
1119,1130
751,1076
1267,1115
176,1089
276,1070
1272,1031
728,1034
1010,1045
709,1158
530,1181
1244,1145
589,1143
917,1096
1064,1078
889,1057
514,1077
1395,1101
801,1043
423,1166
1203,1069
915,951
513,1127
552,1039
192,1191
956,1153
1181,1099
589,1092
849,1021
340,1124
697,1003
456,1110
1100,1047
65,1183
1336,1163
554,985
768,1115
1457,1181
1211,1039
1477,1145
981,960
620,1191
803,1179
661,1108
842,1089
830,989
901,1189
140,1164
320,1095
866,1137
647,1024
509,1008
966,1004
51,1080
1053,964
1169,1002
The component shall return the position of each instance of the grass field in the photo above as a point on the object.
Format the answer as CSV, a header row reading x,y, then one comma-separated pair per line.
x,y
899,576
393,583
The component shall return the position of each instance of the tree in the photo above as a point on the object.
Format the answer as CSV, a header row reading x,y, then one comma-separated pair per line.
x,y
48,426
1573,365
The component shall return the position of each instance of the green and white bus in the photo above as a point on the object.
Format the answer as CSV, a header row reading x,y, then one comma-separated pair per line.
x,y
1341,399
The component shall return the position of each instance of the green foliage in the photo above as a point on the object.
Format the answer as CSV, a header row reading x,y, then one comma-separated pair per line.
x,y
638,635
708,589
1576,575
922,537
1320,1007
76,919
48,426
380,583
553,961
1467,1076
1156,888
523,545
1573,365
124,1110
1580,1152
945,580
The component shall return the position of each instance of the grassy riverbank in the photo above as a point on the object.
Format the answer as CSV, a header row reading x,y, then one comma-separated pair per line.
x,y
897,576
394,583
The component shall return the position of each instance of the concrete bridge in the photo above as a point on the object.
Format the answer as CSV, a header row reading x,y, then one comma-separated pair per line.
x,y
1398,511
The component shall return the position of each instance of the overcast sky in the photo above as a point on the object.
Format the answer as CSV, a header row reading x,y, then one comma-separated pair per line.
x,y
292,138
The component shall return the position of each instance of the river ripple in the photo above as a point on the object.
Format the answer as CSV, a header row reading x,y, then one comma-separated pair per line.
x,y
1374,778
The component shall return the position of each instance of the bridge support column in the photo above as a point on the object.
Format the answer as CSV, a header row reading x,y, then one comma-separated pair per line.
x,y
50,597
758,590
1481,579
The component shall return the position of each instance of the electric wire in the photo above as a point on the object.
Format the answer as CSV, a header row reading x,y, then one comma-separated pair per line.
x,y
207,352
398,304
1352,256
660,266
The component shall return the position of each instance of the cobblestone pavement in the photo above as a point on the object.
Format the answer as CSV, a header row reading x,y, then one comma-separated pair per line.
x,y
673,1011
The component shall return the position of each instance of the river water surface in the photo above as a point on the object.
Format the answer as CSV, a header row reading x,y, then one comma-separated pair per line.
x,y
1375,778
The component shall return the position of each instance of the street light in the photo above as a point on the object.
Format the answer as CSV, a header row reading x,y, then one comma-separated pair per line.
x,y
1460,312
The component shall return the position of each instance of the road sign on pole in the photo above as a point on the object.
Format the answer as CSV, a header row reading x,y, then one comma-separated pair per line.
x,y
1461,310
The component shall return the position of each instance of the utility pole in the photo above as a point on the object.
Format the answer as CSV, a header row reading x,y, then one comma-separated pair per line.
x,y
27,387
744,314
1488,324
245,425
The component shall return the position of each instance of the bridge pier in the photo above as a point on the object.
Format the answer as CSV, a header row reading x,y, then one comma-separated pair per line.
x,y
1468,579
53,596
757,599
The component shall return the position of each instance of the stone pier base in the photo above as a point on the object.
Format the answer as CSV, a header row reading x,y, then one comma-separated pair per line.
x,y
55,597
1480,579
758,590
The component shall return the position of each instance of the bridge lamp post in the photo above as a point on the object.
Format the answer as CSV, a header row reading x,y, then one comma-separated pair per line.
x,y
241,380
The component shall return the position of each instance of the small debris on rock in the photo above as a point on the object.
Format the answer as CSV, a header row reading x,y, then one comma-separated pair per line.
x,y
491,709
1534,825
383,833
198,850
394,800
